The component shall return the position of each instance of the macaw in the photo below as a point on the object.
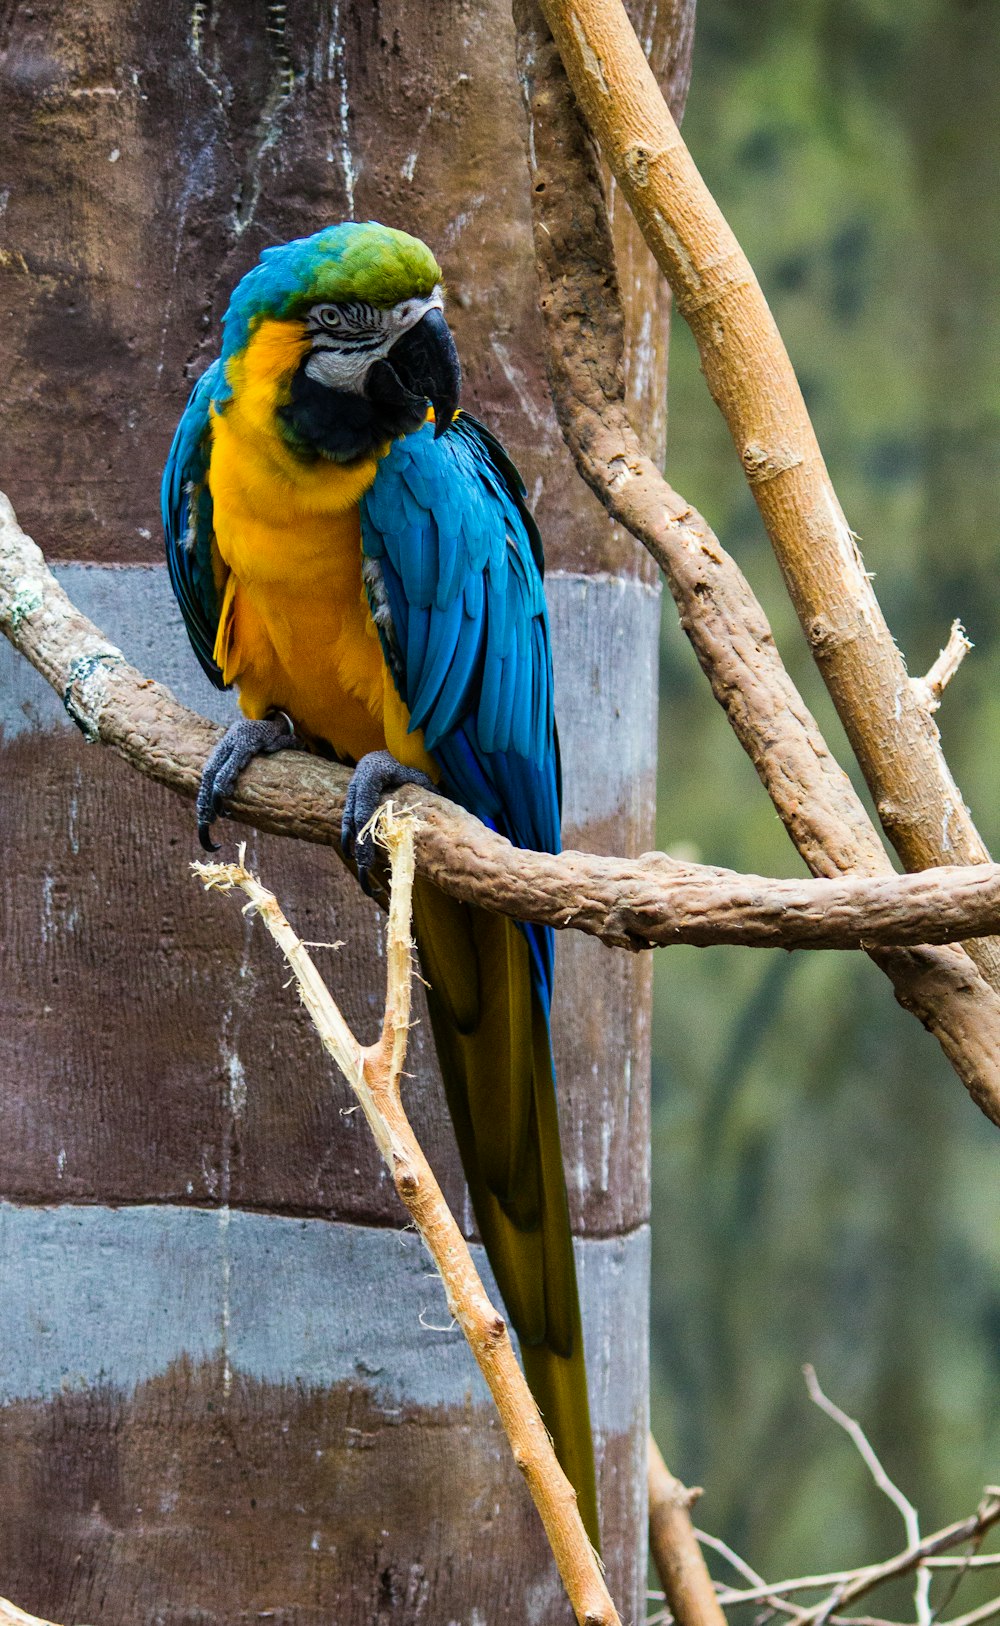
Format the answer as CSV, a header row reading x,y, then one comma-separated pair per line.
x,y
356,556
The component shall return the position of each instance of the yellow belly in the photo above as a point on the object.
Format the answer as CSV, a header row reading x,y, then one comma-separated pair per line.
x,y
295,632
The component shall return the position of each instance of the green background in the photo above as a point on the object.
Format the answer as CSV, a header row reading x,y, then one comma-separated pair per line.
x,y
823,1188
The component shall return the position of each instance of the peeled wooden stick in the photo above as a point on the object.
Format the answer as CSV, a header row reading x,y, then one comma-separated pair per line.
x,y
11,1615
373,1072
932,685
752,381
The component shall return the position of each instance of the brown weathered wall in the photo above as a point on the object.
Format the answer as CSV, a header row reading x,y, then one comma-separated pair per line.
x,y
216,1400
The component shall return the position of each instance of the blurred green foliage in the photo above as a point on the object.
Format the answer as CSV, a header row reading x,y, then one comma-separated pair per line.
x,y
823,1188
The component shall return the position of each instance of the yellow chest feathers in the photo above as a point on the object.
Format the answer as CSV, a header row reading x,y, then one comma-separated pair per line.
x,y
295,631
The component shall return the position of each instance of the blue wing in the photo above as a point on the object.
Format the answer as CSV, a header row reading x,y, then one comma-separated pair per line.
x,y
186,507
454,574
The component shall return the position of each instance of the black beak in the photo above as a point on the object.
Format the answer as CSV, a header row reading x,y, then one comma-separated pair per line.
x,y
426,363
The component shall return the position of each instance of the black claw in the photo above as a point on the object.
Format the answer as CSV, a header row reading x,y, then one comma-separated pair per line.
x,y
242,741
374,776
205,837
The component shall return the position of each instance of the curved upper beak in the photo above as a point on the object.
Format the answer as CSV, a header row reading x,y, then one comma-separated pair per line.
x,y
426,363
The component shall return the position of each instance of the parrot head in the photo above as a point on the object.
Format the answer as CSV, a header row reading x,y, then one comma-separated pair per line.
x,y
365,304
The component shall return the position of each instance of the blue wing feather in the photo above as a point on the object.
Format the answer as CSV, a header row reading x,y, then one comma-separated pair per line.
x,y
186,508
461,564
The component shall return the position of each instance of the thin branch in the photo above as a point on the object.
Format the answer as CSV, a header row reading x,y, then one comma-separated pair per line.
x,y
873,1575
747,1571
970,1561
752,382
986,1611
932,685
867,1452
374,1074
822,1583
679,1561
869,1456
718,611
849,1585
959,1573
731,1556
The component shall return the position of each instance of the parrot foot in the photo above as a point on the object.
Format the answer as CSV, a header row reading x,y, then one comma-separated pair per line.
x,y
250,737
375,774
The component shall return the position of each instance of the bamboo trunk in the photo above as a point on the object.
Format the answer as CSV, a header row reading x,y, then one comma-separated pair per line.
x,y
224,1386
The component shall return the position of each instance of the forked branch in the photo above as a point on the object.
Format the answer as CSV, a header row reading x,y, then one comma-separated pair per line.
x,y
718,610
752,381
841,1589
373,1073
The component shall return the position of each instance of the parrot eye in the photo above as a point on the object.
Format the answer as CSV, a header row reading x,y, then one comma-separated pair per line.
x,y
357,326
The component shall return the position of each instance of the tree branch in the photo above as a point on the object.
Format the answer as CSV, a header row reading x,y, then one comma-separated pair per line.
x,y
865,1580
816,1583
718,611
849,1585
843,1587
680,1563
629,903
753,384
906,1509
932,685
374,1074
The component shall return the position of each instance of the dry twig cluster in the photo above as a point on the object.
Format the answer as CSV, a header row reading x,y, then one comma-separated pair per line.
x,y
838,1589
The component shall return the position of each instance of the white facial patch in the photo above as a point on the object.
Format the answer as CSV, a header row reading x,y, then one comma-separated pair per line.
x,y
347,339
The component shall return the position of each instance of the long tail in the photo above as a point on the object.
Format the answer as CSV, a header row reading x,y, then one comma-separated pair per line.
x,y
492,1035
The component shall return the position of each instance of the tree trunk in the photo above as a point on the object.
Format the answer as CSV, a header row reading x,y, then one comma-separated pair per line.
x,y
226,1389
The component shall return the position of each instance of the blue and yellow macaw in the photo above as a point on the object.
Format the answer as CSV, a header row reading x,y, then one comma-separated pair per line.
x,y
357,557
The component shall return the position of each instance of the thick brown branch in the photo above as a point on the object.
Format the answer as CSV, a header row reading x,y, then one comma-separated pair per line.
x,y
630,903
680,1563
724,621
753,383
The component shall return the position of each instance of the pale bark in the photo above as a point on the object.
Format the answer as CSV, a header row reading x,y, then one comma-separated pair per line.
x,y
751,379
718,610
374,1073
